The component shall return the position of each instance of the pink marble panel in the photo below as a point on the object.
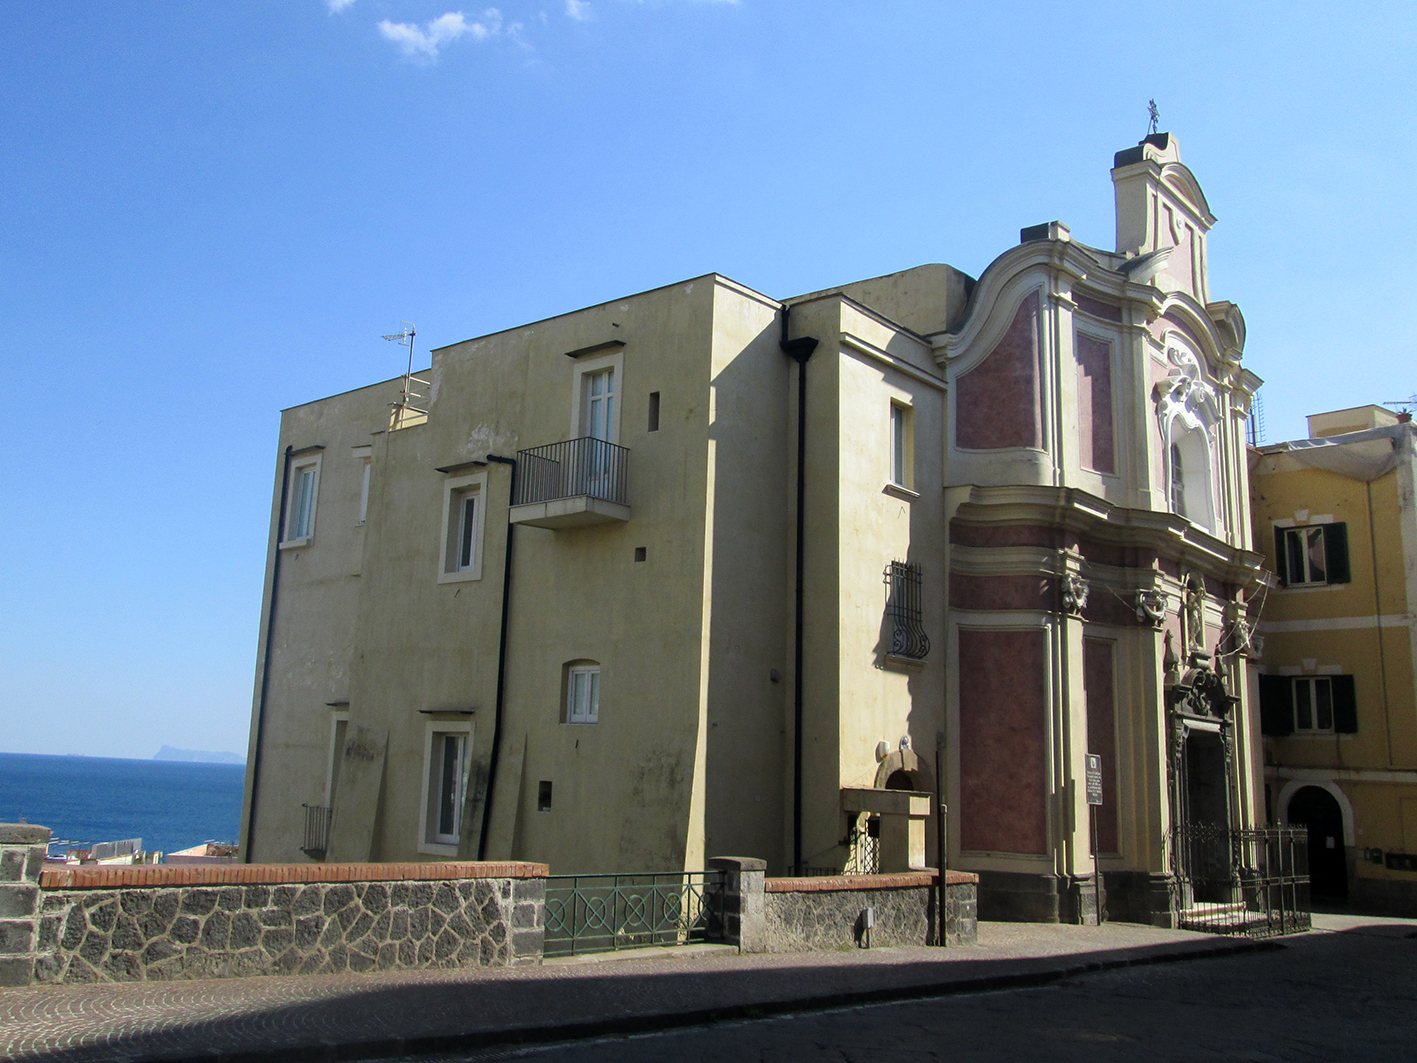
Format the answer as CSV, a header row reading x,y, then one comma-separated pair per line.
x,y
997,402
1094,364
1097,308
1002,741
1001,592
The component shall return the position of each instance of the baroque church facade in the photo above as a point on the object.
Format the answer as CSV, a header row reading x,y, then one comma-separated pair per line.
x,y
701,571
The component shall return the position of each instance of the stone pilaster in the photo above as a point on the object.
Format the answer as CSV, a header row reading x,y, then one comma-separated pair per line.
x,y
744,907
22,849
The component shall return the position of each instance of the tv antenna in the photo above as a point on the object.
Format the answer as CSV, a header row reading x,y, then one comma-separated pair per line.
x,y
1408,404
404,413
1154,125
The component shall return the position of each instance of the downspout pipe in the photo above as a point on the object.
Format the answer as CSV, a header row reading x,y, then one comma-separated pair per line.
x,y
266,659
501,662
799,350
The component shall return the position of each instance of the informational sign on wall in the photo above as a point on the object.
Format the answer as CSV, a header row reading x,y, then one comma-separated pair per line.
x,y
1094,778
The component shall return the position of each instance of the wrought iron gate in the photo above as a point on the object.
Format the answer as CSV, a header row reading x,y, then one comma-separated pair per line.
x,y
601,913
1252,882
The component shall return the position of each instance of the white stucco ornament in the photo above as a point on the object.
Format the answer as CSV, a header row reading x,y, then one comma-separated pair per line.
x,y
1185,396
1075,592
1151,607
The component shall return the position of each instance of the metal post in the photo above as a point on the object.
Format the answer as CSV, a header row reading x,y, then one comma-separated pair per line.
x,y
941,840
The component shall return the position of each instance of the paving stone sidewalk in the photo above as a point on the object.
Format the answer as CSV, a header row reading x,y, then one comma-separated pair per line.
x,y
381,1015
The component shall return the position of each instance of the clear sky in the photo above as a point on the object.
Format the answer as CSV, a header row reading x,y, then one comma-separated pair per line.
x,y
212,211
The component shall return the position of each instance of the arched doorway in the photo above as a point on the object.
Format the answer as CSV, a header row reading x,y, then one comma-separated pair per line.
x,y
1315,808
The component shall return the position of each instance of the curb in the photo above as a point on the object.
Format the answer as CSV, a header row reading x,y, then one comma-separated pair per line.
x,y
481,1040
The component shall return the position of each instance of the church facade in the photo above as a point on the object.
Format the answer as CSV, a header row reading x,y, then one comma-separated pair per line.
x,y
702,571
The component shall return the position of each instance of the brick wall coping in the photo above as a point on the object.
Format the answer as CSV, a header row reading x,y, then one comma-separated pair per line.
x,y
835,883
118,876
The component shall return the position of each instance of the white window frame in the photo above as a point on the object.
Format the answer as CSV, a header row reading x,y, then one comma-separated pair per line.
x,y
365,456
299,466
455,490
588,713
585,366
1304,530
339,732
431,841
902,445
1312,683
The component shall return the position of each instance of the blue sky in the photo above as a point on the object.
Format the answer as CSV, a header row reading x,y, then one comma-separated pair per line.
x,y
212,211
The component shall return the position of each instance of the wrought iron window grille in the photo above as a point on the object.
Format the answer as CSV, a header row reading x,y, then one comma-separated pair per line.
x,y
908,638
317,830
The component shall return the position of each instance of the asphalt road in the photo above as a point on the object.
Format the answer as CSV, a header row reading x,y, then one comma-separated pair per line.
x,y
1342,995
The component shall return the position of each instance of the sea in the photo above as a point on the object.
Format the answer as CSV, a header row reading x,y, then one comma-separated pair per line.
x,y
171,805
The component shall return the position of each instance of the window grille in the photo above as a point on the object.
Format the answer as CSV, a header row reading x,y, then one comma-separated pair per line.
x,y
908,638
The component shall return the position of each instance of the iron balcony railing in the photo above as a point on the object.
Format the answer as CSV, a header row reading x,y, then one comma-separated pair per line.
x,y
317,830
1251,882
602,913
585,466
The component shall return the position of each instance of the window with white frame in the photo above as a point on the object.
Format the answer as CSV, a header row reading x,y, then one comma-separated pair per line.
x,y
901,446
598,404
583,692
445,771
1312,556
303,493
1313,705
463,524
366,466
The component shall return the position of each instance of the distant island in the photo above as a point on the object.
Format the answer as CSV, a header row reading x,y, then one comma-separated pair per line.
x,y
198,755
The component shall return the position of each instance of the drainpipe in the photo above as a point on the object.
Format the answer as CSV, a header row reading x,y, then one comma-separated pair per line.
x,y
501,662
799,350
266,658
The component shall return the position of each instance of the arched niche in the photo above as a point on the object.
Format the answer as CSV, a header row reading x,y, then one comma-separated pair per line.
x,y
1189,415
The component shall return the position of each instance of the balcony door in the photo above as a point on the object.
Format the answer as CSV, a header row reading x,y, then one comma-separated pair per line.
x,y
598,424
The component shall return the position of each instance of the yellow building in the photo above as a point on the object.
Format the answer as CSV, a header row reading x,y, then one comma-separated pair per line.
x,y
1335,516
702,571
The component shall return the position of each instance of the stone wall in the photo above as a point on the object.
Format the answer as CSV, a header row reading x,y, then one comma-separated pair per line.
x,y
814,914
148,923
22,849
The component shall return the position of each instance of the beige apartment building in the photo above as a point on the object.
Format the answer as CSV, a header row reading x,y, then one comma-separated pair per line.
x,y
1335,516
701,571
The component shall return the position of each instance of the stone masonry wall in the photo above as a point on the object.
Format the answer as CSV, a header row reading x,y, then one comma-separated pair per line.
x,y
813,914
111,923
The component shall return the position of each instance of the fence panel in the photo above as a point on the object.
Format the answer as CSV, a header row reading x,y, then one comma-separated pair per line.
x,y
603,913
1251,882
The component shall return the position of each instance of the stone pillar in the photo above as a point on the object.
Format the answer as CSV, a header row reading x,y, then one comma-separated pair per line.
x,y
743,899
22,849
528,920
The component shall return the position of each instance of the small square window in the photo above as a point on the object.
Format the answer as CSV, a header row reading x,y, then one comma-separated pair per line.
x,y
640,553
583,693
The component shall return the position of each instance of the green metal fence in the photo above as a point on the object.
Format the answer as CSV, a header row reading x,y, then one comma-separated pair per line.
x,y
603,913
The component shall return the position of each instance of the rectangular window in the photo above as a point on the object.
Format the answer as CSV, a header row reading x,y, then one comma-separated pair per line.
x,y
1312,556
364,473
583,694
1308,705
463,526
445,787
901,471
543,796
598,420
654,411
300,503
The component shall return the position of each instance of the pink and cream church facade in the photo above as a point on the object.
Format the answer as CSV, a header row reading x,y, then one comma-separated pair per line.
x,y
919,532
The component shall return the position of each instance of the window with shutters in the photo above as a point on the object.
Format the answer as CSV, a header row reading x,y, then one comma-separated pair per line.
x,y
1308,705
1313,556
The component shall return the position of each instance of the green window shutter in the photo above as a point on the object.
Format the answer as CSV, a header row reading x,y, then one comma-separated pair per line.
x,y
1345,705
1277,705
1280,557
1336,549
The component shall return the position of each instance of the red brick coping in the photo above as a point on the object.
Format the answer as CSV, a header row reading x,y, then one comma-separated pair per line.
x,y
118,876
833,883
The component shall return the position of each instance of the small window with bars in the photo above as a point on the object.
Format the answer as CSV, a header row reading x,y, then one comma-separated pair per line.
x,y
904,612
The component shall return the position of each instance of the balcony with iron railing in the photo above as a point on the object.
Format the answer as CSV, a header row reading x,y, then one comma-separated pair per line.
x,y
572,484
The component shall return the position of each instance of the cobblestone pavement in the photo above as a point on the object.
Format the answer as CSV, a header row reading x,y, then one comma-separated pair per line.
x,y
301,1017
1344,993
